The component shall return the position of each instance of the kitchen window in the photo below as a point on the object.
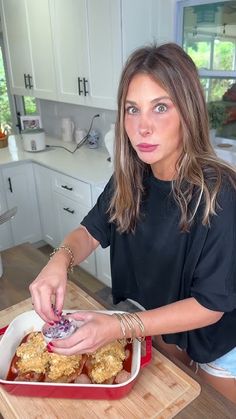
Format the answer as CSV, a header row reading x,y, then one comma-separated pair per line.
x,y
6,104
207,32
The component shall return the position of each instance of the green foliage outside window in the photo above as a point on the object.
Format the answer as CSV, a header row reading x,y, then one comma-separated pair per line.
x,y
30,105
223,59
5,113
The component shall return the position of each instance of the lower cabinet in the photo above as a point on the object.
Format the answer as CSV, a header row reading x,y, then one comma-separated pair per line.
x,y
69,215
18,184
102,255
63,203
44,179
6,238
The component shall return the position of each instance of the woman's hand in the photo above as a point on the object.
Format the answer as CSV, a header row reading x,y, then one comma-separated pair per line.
x,y
48,290
95,330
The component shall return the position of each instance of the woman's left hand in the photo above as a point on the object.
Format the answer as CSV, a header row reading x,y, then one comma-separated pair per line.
x,y
97,329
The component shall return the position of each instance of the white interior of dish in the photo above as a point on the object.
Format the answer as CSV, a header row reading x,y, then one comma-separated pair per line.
x,y
29,321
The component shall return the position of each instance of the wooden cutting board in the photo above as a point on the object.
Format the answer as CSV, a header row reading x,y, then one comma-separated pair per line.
x,y
161,391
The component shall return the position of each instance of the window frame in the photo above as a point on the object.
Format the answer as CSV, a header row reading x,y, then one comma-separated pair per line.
x,y
203,73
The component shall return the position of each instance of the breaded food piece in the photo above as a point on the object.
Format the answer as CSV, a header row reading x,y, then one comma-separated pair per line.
x,y
106,362
63,366
32,354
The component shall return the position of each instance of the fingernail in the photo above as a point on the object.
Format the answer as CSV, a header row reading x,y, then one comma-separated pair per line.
x,y
51,344
51,323
49,349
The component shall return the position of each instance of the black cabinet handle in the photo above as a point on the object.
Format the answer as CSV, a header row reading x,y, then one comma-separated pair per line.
x,y
85,82
10,185
69,210
30,78
67,187
25,79
80,91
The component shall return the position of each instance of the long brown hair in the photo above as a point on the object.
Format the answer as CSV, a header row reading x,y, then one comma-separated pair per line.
x,y
198,169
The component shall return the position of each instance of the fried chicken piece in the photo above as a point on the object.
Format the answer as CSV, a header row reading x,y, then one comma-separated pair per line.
x,y
106,362
32,354
63,367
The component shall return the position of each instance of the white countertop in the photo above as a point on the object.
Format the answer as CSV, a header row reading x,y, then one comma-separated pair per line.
x,y
88,165
226,149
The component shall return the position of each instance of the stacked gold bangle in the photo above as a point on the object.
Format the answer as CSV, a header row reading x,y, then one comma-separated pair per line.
x,y
68,250
128,323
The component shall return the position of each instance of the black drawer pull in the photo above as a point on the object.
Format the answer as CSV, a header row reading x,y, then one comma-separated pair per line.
x,y
30,78
80,91
67,187
25,79
69,210
10,185
85,82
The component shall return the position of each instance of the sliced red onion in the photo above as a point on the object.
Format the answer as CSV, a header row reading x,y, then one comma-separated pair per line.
x,y
61,329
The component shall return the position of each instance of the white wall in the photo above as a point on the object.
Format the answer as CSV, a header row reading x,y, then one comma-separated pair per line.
x,y
52,112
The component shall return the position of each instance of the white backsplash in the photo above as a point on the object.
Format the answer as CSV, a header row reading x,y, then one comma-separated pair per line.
x,y
52,113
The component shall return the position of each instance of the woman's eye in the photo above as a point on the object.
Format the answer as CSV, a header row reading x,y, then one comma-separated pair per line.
x,y
131,110
161,108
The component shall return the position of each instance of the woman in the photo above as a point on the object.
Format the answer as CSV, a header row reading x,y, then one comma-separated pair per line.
x,y
168,215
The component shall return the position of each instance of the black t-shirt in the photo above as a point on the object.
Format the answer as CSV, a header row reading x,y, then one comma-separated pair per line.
x,y
158,264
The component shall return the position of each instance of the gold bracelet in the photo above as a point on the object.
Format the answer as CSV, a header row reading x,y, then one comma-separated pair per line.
x,y
122,326
68,250
141,326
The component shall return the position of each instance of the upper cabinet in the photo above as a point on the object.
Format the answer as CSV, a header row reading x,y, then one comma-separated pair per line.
x,y
30,52
88,39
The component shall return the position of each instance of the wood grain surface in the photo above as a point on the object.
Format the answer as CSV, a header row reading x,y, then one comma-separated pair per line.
x,y
162,389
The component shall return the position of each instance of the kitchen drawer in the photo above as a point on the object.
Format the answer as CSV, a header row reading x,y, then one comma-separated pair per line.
x,y
69,216
73,189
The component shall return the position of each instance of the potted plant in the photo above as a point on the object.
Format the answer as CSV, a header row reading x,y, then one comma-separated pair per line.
x,y
217,116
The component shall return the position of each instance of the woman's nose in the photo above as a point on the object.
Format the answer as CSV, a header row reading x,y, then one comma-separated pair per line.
x,y
145,127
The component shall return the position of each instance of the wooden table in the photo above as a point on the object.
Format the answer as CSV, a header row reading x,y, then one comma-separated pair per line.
x,y
209,404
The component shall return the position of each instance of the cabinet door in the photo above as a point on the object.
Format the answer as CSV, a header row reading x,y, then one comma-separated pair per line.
x,y
71,48
6,239
28,39
43,178
70,215
102,255
105,52
20,191
16,37
87,35
40,38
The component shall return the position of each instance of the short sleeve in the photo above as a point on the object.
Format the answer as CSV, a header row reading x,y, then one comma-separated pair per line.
x,y
97,220
214,284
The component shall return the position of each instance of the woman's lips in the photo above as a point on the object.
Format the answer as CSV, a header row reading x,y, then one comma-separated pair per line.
x,y
145,147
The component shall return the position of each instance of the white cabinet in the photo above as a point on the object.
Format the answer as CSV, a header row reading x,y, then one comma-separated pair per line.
x,y
93,39
72,201
28,39
63,202
146,22
87,36
69,214
44,180
73,50
19,185
102,255
6,239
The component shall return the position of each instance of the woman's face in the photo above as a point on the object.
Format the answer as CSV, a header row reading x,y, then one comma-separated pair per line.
x,y
152,124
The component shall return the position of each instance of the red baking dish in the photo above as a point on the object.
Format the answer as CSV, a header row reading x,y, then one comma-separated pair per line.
x,y
30,321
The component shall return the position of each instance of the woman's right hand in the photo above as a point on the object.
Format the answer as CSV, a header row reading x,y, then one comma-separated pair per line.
x,y
48,290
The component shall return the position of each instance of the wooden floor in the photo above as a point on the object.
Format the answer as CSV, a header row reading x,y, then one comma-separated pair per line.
x,y
21,265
